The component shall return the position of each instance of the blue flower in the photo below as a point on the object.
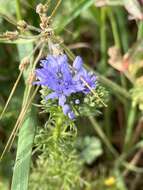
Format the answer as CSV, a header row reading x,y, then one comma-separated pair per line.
x,y
83,75
57,75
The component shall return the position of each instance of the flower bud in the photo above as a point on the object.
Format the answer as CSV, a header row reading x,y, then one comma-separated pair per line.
x,y
77,101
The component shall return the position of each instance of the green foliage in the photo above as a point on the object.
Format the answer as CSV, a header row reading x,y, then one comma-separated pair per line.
x,y
23,158
57,165
90,149
26,136
82,5
92,104
58,162
137,96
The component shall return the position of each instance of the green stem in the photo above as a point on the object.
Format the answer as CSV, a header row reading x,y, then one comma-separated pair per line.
x,y
114,28
18,10
123,30
118,45
140,30
118,90
103,39
103,136
107,116
130,125
57,131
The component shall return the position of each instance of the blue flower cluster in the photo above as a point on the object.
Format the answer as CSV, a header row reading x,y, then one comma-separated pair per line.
x,y
63,80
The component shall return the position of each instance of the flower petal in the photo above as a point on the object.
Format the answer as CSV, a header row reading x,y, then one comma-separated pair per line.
x,y
52,95
66,109
77,64
62,100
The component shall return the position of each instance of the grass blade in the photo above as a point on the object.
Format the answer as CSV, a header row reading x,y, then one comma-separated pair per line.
x,y
83,5
26,136
23,157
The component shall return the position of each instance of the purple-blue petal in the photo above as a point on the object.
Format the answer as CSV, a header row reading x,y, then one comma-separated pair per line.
x,y
77,64
52,95
62,100
66,109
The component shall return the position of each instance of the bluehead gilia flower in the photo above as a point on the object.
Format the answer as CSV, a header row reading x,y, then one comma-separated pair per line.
x,y
57,75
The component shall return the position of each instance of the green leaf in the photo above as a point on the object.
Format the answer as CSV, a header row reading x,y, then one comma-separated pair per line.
x,y
80,7
25,142
7,6
26,136
120,181
92,149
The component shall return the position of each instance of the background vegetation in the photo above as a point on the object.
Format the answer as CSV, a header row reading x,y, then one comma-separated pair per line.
x,y
109,146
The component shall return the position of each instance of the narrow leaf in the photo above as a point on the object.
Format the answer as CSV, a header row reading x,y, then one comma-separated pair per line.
x,y
26,136
22,164
82,6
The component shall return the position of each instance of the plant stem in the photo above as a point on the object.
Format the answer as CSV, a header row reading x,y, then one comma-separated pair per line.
x,y
103,41
123,30
140,30
130,125
18,10
115,87
57,131
114,28
103,136
118,45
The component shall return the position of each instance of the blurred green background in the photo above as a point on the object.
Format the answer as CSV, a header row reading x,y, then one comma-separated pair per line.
x,y
89,31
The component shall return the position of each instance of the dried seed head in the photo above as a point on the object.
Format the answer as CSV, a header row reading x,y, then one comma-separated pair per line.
x,y
24,62
45,22
11,35
31,78
41,9
22,25
46,34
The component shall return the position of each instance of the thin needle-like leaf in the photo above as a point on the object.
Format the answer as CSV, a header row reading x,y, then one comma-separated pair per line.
x,y
56,7
23,111
22,117
11,94
10,20
18,124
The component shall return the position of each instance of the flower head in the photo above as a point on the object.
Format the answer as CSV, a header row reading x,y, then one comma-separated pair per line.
x,y
57,75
